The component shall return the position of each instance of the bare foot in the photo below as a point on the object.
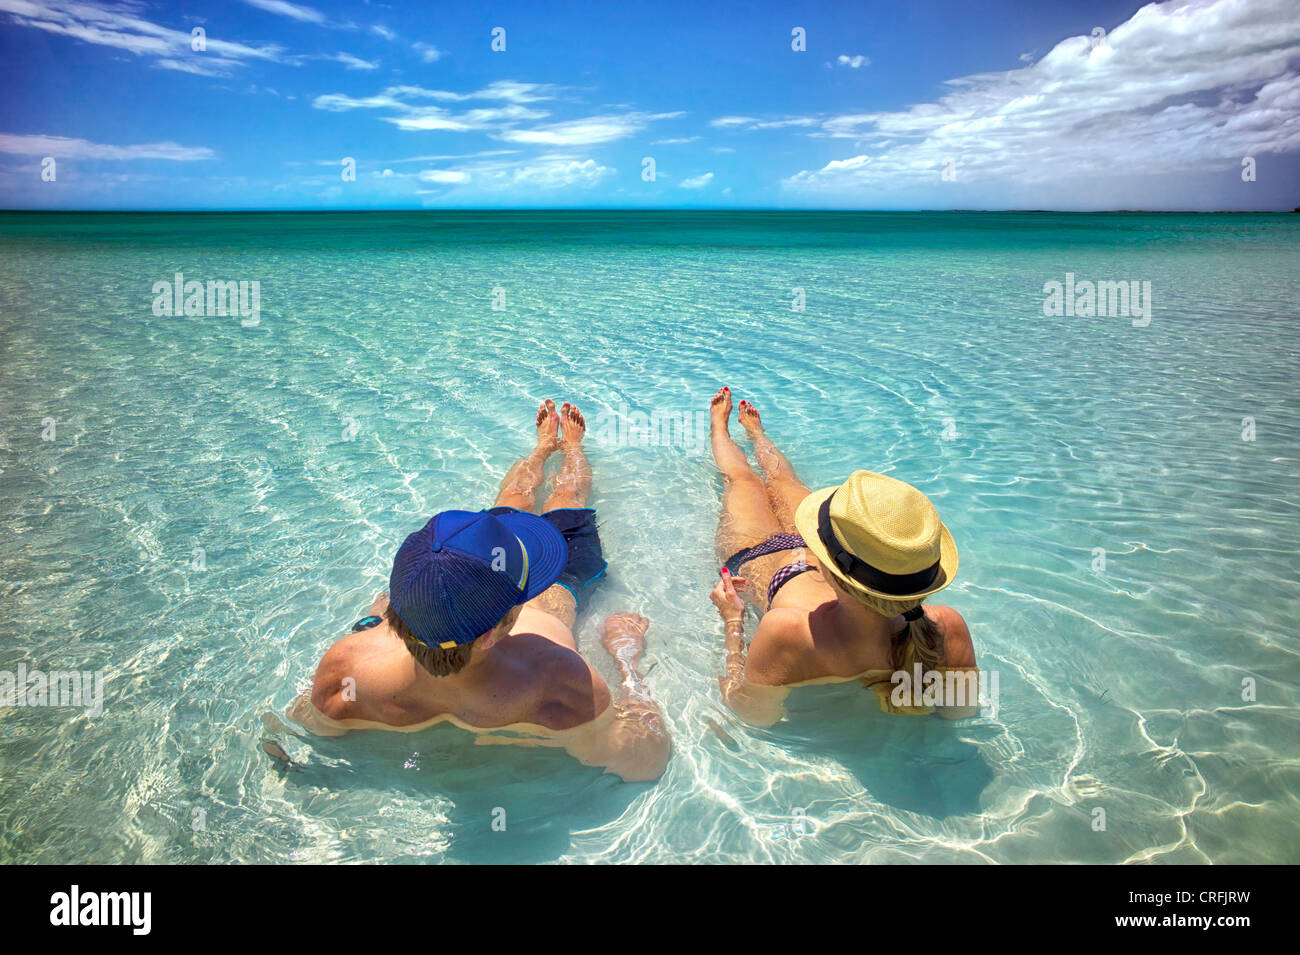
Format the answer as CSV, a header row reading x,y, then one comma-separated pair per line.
x,y
575,425
720,409
548,425
749,418
623,635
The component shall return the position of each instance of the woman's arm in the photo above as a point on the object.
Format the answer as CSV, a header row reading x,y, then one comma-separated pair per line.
x,y
731,607
756,705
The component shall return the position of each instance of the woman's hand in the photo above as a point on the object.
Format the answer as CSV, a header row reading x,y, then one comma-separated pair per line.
x,y
729,603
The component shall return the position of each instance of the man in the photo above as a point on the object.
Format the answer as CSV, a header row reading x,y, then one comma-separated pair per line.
x,y
477,628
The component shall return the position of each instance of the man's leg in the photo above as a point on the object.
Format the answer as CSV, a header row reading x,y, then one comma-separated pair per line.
x,y
573,479
747,517
784,489
572,485
519,487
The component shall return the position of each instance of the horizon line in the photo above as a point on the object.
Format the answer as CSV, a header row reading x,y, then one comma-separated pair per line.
x,y
176,210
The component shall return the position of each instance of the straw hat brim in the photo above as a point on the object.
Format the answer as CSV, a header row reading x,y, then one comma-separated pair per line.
x,y
805,521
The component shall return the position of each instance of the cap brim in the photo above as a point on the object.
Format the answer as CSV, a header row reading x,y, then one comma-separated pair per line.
x,y
805,522
547,550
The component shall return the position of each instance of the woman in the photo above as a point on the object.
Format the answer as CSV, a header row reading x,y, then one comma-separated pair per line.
x,y
841,575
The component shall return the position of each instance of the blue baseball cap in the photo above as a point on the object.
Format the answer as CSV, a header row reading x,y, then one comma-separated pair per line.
x,y
457,576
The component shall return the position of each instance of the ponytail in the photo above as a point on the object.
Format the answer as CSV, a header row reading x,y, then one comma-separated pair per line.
x,y
918,642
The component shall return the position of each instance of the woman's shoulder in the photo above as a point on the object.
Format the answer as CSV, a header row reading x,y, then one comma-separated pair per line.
x,y
958,648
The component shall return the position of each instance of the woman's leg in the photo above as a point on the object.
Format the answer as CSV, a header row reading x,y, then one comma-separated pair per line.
x,y
784,489
747,517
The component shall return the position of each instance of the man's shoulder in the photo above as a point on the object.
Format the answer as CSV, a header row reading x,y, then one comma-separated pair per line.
x,y
568,691
349,661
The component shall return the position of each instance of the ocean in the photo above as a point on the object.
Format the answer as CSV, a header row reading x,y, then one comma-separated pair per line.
x,y
195,502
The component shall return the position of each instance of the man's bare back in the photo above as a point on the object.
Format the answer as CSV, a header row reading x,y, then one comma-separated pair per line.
x,y
534,676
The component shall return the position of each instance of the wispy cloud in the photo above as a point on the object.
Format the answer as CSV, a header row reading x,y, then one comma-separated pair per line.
x,y
586,132
410,109
749,122
445,176
404,99
434,117
852,62
119,27
384,32
443,157
1187,85
293,11
547,172
726,122
62,147
698,182
352,62
428,52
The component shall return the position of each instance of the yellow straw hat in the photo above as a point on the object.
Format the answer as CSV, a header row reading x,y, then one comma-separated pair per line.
x,y
878,536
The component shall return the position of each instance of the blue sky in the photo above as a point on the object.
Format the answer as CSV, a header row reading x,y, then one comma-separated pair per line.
x,y
928,105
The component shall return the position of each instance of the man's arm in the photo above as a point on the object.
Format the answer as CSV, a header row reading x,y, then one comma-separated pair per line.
x,y
628,738
321,708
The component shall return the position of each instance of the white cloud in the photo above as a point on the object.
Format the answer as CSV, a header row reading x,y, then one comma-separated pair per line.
x,y
749,122
782,123
698,182
1182,85
585,132
384,32
675,142
549,172
400,98
435,117
291,10
446,157
61,147
119,27
205,67
352,62
445,175
409,109
428,52
853,62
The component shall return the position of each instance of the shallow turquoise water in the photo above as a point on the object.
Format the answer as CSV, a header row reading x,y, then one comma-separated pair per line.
x,y
381,386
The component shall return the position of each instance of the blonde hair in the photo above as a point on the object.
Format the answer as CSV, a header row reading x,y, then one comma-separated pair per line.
x,y
918,642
